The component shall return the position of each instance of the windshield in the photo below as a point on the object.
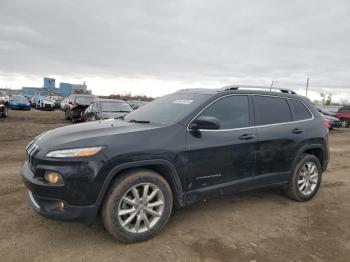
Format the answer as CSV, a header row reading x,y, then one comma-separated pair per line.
x,y
168,109
19,98
84,100
115,106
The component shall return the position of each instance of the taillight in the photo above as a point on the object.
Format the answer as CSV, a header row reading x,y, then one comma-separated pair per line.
x,y
327,123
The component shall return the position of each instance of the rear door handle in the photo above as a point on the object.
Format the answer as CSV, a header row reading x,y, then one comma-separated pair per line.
x,y
246,136
297,131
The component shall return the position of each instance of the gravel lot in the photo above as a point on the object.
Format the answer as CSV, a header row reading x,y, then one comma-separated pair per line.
x,y
255,226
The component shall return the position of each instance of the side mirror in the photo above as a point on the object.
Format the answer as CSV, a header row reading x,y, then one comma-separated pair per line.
x,y
205,122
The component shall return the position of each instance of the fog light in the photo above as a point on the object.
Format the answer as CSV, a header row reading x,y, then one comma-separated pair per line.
x,y
60,205
53,178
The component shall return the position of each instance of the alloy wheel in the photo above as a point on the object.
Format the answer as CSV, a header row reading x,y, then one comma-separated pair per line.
x,y
345,123
140,208
308,178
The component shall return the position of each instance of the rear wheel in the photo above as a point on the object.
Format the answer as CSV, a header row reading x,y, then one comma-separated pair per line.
x,y
345,123
137,206
306,179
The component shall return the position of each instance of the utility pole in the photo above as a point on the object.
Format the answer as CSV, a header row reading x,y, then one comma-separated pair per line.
x,y
307,86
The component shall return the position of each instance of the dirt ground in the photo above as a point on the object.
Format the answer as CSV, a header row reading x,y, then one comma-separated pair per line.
x,y
257,226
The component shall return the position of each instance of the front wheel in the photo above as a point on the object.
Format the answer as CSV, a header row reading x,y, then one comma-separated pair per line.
x,y
306,179
137,206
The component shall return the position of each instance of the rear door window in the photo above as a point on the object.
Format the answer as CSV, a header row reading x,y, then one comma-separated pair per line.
x,y
271,110
299,110
231,111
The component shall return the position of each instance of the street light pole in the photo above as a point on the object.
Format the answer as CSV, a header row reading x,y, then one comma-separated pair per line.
x,y
307,86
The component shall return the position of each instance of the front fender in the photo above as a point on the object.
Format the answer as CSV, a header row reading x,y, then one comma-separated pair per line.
x,y
175,179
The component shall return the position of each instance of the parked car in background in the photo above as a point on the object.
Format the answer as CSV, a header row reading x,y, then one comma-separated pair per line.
x,y
106,108
58,102
333,121
76,107
135,104
63,104
344,115
19,102
3,107
190,145
45,104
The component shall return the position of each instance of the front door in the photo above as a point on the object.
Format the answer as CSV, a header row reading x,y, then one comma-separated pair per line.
x,y
223,157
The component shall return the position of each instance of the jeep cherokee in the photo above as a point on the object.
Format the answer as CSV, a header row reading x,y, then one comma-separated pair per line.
x,y
190,145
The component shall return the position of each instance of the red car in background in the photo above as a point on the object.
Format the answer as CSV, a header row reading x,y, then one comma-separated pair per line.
x,y
344,115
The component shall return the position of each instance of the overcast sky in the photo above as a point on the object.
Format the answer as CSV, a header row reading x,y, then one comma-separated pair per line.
x,y
156,47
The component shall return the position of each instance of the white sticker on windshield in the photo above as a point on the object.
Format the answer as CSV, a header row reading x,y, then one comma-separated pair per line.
x,y
183,102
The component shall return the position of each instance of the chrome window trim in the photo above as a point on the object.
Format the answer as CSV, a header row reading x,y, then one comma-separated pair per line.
x,y
250,127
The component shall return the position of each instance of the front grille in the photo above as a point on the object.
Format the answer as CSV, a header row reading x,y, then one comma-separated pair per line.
x,y
31,149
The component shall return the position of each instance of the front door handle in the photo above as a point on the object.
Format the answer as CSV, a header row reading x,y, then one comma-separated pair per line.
x,y
297,131
246,136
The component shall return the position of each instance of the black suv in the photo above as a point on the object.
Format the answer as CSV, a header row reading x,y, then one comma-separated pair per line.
x,y
190,145
76,107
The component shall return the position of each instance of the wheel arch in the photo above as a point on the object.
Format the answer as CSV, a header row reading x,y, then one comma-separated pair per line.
x,y
316,150
163,167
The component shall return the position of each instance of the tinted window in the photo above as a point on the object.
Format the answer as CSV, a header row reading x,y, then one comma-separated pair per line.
x,y
84,100
168,109
271,110
299,110
231,111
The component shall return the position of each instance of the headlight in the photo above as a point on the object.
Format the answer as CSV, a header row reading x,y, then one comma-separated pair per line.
x,y
76,152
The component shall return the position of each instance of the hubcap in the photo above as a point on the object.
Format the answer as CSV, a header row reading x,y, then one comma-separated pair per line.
x,y
141,207
308,178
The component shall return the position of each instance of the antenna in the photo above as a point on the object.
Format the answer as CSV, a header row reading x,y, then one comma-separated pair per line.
x,y
307,86
271,86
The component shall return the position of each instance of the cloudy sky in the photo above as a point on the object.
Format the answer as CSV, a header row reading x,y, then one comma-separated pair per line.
x,y
156,47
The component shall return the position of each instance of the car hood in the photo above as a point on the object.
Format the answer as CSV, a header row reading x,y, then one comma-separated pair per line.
x,y
95,133
20,103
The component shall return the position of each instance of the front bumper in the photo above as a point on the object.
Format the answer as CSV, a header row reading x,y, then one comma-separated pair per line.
x,y
45,199
23,107
51,208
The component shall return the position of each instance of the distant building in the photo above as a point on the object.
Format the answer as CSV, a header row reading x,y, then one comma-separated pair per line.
x,y
49,84
49,87
67,89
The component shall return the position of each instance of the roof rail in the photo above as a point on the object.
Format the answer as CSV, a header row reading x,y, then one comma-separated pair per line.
x,y
239,87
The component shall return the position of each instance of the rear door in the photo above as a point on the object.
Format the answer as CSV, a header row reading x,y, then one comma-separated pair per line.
x,y
224,157
279,139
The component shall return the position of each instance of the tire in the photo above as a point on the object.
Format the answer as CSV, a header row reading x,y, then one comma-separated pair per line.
x,y
114,204
295,188
345,122
5,113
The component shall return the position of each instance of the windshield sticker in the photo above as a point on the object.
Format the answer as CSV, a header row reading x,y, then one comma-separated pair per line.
x,y
183,102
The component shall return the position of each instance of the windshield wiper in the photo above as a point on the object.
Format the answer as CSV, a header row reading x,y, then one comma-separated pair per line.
x,y
119,117
139,121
